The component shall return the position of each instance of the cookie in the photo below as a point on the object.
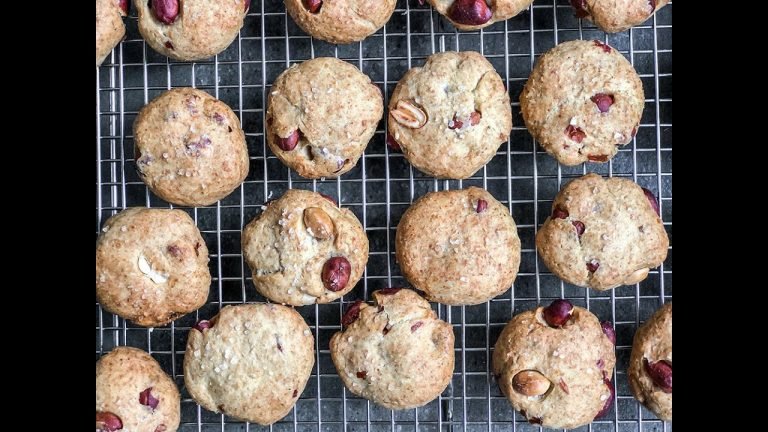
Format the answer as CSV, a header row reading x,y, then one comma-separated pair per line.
x,y
476,14
603,233
303,249
396,353
582,101
617,15
110,28
340,21
650,366
450,116
459,247
151,266
555,364
190,149
250,362
190,30
321,115
134,394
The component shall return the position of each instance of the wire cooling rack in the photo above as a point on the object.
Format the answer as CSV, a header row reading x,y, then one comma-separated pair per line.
x,y
379,190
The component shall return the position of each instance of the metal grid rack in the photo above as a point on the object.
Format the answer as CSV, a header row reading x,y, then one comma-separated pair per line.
x,y
379,190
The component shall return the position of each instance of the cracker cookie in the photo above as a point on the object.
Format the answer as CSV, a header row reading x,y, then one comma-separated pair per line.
x,y
110,28
617,15
396,352
151,266
321,115
603,233
190,149
250,362
555,365
450,116
459,247
476,14
340,21
134,394
650,366
190,30
582,101
303,249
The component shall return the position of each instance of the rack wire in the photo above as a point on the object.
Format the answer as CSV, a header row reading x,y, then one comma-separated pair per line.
x,y
379,190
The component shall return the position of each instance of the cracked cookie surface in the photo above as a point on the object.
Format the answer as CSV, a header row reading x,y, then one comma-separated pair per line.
x,y
603,232
582,101
131,386
320,116
341,21
572,362
200,29
396,352
465,14
110,28
189,147
291,244
652,344
250,362
151,266
460,247
617,15
451,115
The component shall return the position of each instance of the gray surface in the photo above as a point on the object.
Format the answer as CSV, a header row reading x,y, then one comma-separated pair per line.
x,y
378,190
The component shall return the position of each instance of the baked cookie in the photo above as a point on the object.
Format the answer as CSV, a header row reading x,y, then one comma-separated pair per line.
x,y
450,116
603,233
151,266
460,247
617,15
321,115
190,149
582,101
134,394
340,21
396,353
555,365
650,366
250,362
303,249
190,30
476,14
110,28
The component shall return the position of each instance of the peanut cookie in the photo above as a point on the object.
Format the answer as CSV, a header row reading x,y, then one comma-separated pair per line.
x,y
110,28
603,233
190,30
396,353
450,116
134,394
555,365
321,115
303,249
151,266
459,247
190,149
617,15
250,361
476,14
582,101
340,21
650,366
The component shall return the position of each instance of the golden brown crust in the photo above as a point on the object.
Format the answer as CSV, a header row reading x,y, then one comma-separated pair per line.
x,y
151,266
619,15
190,149
454,254
110,28
574,358
653,342
502,10
397,353
342,21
